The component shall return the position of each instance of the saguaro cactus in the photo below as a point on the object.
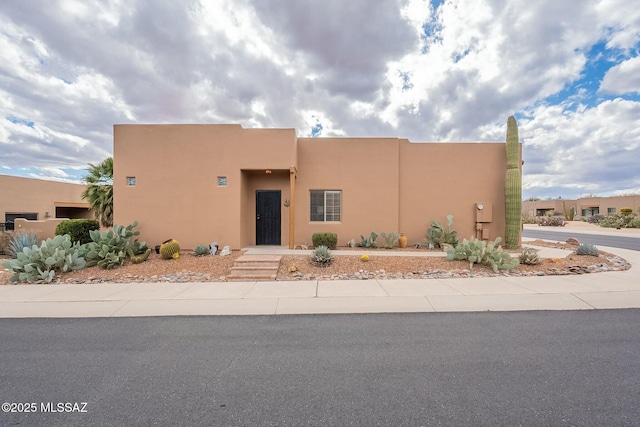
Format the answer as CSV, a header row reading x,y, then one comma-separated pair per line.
x,y
513,188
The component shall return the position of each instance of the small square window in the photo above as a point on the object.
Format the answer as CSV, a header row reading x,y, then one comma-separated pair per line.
x,y
131,181
222,181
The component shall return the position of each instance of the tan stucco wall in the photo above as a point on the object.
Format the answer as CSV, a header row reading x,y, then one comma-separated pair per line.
x,y
364,169
176,168
387,184
43,229
19,195
438,179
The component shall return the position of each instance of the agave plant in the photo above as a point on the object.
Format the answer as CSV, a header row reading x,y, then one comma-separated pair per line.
x,y
321,257
529,256
20,241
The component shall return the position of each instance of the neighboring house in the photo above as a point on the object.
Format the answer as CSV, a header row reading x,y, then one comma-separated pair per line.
x,y
244,187
541,207
588,206
40,202
585,206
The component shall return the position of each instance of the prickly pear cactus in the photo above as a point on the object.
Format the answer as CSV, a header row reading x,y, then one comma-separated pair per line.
x,y
513,188
170,249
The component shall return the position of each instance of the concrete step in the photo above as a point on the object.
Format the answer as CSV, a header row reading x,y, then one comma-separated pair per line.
x,y
259,264
259,258
252,278
255,268
250,270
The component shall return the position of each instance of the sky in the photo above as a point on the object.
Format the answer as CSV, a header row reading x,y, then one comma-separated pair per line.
x,y
429,71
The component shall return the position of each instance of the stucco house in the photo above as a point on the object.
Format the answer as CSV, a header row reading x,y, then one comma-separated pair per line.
x,y
38,205
584,206
242,187
40,200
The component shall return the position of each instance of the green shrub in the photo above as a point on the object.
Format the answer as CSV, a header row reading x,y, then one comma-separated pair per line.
x,y
626,211
480,252
438,234
368,242
390,240
529,220
37,263
329,240
77,229
321,257
586,249
20,241
201,250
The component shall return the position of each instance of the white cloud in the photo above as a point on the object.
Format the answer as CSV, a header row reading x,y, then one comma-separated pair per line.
x,y
621,20
573,152
358,68
623,78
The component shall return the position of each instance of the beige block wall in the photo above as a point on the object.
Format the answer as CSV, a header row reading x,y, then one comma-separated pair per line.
x,y
20,195
45,229
176,168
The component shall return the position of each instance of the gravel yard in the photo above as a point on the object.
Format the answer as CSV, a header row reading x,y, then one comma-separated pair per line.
x,y
215,268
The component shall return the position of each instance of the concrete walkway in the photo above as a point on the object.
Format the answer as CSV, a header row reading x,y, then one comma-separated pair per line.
x,y
580,292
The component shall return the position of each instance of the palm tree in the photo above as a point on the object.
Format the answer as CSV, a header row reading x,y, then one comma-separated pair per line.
x,y
99,191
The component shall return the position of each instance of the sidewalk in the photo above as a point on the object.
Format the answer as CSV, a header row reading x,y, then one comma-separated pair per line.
x,y
619,289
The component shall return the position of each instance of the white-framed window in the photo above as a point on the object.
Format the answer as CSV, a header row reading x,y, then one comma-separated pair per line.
x,y
222,181
326,205
131,181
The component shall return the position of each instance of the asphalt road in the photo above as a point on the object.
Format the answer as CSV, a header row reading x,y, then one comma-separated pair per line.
x,y
450,369
594,239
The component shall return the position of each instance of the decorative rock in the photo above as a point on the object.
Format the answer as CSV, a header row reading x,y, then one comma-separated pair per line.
x,y
213,248
225,251
573,241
